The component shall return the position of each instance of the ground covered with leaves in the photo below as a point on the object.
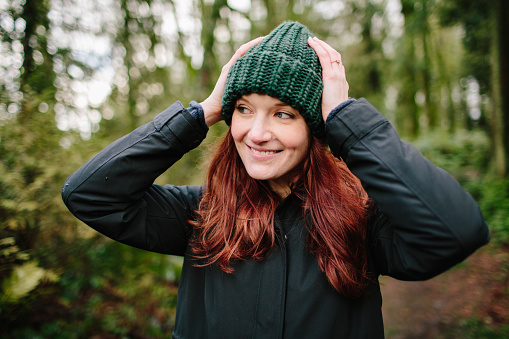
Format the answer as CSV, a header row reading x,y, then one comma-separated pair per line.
x,y
469,301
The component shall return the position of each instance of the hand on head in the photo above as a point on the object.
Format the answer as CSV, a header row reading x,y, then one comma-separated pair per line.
x,y
335,86
212,105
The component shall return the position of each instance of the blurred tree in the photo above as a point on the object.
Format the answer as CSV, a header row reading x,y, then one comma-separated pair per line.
x,y
500,84
432,91
407,118
365,73
420,82
24,179
144,73
42,246
211,17
487,58
37,75
423,13
31,158
447,50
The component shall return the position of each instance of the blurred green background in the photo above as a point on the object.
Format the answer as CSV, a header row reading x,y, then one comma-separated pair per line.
x,y
77,74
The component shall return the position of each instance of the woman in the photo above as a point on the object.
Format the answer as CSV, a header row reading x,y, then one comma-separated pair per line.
x,y
283,241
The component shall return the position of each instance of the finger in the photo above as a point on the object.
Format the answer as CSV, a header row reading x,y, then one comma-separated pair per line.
x,y
244,48
334,56
251,43
330,50
217,92
335,86
239,53
323,55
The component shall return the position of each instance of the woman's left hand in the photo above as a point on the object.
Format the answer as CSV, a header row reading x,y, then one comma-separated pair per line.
x,y
335,86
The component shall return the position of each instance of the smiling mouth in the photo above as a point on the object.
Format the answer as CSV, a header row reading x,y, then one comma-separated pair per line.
x,y
263,152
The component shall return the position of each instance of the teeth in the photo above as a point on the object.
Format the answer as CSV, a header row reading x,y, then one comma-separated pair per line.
x,y
263,152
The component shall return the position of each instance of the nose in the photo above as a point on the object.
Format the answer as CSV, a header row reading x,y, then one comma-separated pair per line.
x,y
259,131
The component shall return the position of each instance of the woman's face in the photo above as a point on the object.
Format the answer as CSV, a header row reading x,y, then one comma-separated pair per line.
x,y
271,137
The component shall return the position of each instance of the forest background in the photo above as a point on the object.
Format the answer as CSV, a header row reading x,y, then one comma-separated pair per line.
x,y
77,74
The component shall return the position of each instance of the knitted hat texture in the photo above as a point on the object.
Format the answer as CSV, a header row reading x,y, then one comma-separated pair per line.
x,y
283,66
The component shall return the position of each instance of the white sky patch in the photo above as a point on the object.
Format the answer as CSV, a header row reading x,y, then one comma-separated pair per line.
x,y
7,23
391,97
473,98
4,5
240,5
329,9
395,26
98,92
257,12
395,17
240,26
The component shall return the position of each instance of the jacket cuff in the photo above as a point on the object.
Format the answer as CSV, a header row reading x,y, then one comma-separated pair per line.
x,y
176,124
197,112
356,120
338,109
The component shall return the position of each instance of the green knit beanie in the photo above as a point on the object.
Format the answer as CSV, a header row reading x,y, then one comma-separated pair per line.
x,y
283,66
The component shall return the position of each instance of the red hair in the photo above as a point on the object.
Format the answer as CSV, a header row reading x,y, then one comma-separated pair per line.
x,y
236,216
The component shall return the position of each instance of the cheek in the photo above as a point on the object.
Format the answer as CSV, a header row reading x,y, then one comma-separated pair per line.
x,y
298,139
236,129
302,150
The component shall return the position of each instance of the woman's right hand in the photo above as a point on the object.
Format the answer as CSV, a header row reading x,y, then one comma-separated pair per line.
x,y
212,106
335,86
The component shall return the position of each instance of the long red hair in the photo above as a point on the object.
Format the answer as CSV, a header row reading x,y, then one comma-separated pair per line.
x,y
236,216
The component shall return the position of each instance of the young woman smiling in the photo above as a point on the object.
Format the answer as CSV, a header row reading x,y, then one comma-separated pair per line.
x,y
271,138
309,197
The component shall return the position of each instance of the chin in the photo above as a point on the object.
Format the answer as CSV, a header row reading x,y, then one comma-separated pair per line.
x,y
259,176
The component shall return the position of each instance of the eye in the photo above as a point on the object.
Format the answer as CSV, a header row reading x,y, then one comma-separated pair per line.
x,y
242,109
284,115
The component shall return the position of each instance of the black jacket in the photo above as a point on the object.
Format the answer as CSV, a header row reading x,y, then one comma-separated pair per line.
x,y
426,223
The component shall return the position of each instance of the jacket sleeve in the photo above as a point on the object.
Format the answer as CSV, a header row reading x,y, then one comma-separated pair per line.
x,y
428,223
114,191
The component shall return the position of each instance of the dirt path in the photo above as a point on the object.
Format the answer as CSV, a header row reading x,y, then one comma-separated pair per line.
x,y
478,288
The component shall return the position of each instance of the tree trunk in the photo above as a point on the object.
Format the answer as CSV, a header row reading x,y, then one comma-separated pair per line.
x,y
503,59
499,123
429,105
210,17
407,120
34,15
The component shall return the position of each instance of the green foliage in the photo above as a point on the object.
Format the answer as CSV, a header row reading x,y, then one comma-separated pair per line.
x,y
474,16
475,328
105,288
59,279
29,204
464,154
23,280
494,202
